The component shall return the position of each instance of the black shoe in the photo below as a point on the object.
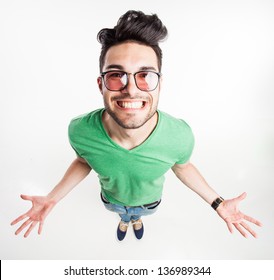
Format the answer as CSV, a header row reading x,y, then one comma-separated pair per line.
x,y
138,228
122,230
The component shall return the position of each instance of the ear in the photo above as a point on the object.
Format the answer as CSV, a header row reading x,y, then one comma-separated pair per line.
x,y
100,84
160,82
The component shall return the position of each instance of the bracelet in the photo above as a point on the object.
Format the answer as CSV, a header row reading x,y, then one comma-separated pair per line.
x,y
215,204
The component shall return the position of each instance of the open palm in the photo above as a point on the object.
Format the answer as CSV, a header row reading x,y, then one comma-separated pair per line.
x,y
41,206
230,213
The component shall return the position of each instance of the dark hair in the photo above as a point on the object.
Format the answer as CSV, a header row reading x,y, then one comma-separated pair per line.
x,y
137,27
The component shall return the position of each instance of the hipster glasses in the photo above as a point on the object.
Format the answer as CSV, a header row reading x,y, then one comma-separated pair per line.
x,y
116,80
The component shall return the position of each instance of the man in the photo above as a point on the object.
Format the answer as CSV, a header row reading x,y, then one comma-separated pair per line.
x,y
131,144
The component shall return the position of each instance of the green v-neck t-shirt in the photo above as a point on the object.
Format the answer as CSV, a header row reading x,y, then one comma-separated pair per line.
x,y
131,177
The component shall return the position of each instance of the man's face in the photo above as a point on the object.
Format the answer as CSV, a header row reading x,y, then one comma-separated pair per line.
x,y
131,107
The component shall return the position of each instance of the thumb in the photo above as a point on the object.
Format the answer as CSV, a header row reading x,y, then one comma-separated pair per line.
x,y
242,196
26,197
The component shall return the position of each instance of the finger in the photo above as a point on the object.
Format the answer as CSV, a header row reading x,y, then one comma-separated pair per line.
x,y
242,196
230,228
33,224
20,218
249,229
41,224
252,220
40,227
240,229
25,224
26,197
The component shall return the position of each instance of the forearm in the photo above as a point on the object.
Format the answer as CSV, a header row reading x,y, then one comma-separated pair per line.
x,y
76,172
191,177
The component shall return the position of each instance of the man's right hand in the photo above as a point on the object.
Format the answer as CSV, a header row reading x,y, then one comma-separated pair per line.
x,y
41,206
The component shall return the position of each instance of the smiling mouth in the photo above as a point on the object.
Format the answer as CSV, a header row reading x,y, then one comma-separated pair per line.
x,y
131,104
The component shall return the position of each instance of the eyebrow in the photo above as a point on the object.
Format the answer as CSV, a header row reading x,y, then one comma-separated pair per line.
x,y
115,66
120,67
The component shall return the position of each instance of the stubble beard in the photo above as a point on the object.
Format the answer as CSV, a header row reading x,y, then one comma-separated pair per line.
x,y
131,124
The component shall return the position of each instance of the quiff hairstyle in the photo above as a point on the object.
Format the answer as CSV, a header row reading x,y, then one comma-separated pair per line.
x,y
137,27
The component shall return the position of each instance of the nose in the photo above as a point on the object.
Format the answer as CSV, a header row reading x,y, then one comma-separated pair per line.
x,y
131,87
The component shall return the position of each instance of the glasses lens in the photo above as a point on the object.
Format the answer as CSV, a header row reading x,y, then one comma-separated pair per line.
x,y
146,81
115,80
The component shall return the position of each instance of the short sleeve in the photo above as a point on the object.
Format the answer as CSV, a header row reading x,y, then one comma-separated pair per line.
x,y
187,142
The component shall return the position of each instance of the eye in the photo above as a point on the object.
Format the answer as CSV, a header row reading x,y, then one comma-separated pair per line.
x,y
143,74
115,75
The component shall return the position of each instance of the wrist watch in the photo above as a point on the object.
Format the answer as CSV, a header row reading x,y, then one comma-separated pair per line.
x,y
215,204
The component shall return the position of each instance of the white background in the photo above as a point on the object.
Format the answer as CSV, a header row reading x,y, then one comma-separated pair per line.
x,y
218,68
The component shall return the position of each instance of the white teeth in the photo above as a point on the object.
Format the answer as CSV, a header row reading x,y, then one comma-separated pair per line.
x,y
131,105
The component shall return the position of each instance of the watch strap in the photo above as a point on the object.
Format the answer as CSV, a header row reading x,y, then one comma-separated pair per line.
x,y
215,204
